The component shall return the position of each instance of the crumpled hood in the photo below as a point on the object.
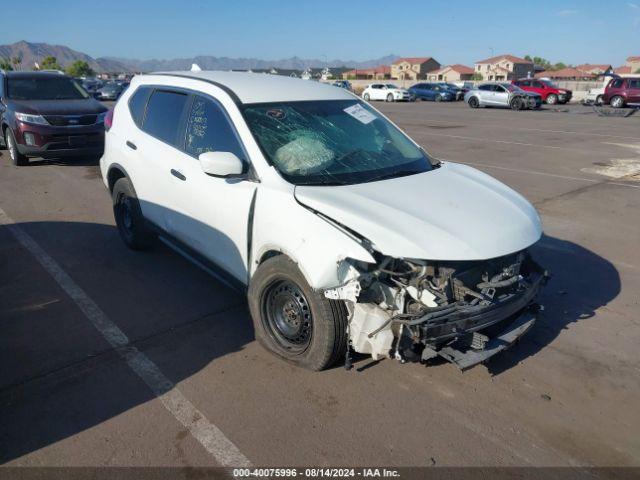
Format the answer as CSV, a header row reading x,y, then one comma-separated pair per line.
x,y
454,212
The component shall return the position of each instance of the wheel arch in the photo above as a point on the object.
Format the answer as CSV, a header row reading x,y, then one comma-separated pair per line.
x,y
115,173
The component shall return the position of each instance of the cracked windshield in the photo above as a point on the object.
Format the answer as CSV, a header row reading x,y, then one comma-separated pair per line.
x,y
333,142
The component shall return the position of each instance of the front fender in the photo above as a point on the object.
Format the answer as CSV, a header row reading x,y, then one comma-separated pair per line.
x,y
281,224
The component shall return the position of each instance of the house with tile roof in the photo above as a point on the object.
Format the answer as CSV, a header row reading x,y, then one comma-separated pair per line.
x,y
634,64
595,69
413,68
451,73
568,73
504,67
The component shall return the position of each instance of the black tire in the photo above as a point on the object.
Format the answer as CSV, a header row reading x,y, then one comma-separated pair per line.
x,y
132,226
390,97
17,158
517,104
617,101
292,320
474,102
438,98
552,99
599,100
366,97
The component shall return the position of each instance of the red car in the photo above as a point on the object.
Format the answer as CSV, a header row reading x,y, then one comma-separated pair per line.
x,y
622,91
550,93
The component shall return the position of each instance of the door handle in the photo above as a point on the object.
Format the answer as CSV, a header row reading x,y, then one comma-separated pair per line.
x,y
178,175
131,145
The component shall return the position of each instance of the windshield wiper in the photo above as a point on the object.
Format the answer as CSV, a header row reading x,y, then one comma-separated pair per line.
x,y
400,173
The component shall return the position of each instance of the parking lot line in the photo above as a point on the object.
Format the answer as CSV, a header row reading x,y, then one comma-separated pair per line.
x,y
541,130
209,436
506,142
533,172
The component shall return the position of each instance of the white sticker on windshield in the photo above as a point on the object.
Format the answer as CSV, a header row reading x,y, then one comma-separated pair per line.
x,y
360,114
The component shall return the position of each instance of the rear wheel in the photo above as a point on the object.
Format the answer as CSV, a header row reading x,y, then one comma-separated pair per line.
x,y
16,157
552,99
292,320
474,102
132,226
366,97
390,97
617,102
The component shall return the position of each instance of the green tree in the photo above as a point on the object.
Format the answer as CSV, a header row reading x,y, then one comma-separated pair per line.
x,y
15,61
5,64
50,63
80,68
476,76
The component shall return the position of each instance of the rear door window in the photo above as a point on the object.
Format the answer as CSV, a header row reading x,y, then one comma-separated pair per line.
x,y
209,130
635,83
164,116
138,104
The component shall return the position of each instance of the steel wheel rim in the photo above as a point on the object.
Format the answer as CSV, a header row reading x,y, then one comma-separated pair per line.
x,y
287,316
125,215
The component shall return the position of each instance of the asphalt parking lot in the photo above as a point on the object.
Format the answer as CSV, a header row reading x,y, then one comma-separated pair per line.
x,y
567,394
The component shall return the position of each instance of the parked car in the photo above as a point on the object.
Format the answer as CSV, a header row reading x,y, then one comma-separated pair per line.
x,y
387,92
505,95
457,92
341,228
622,91
550,93
432,91
48,115
92,85
112,90
346,84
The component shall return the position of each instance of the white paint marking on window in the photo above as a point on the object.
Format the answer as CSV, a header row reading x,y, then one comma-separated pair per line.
x,y
209,436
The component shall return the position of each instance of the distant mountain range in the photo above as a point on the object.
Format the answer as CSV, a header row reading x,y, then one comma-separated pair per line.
x,y
35,52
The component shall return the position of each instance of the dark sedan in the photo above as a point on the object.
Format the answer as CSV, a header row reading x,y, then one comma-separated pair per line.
x,y
431,91
48,115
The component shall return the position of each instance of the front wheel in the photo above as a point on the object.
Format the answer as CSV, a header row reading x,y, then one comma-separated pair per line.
x,y
292,320
517,104
474,102
599,100
552,99
617,102
390,98
17,158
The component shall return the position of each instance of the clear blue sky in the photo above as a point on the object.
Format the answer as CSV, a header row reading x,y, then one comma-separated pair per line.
x,y
573,31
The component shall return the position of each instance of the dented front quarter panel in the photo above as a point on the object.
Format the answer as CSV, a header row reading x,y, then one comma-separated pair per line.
x,y
281,224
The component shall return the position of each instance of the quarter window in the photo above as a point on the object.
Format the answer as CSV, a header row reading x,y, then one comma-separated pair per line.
x,y
634,83
164,114
137,104
209,130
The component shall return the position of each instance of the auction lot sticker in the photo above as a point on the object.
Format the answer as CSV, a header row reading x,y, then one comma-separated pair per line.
x,y
360,114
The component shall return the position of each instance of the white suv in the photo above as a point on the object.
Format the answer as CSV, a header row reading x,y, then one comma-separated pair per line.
x,y
346,234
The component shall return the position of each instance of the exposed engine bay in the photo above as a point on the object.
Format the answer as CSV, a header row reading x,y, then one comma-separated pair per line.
x,y
463,311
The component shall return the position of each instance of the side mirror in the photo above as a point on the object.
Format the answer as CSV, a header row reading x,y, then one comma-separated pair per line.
x,y
221,164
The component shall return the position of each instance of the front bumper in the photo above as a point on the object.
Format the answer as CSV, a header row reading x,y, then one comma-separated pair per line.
x,y
60,141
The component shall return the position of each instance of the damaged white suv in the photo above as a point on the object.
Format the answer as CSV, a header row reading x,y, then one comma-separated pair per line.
x,y
346,233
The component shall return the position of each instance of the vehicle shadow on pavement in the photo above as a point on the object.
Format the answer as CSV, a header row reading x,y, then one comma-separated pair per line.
x,y
65,162
582,281
60,377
